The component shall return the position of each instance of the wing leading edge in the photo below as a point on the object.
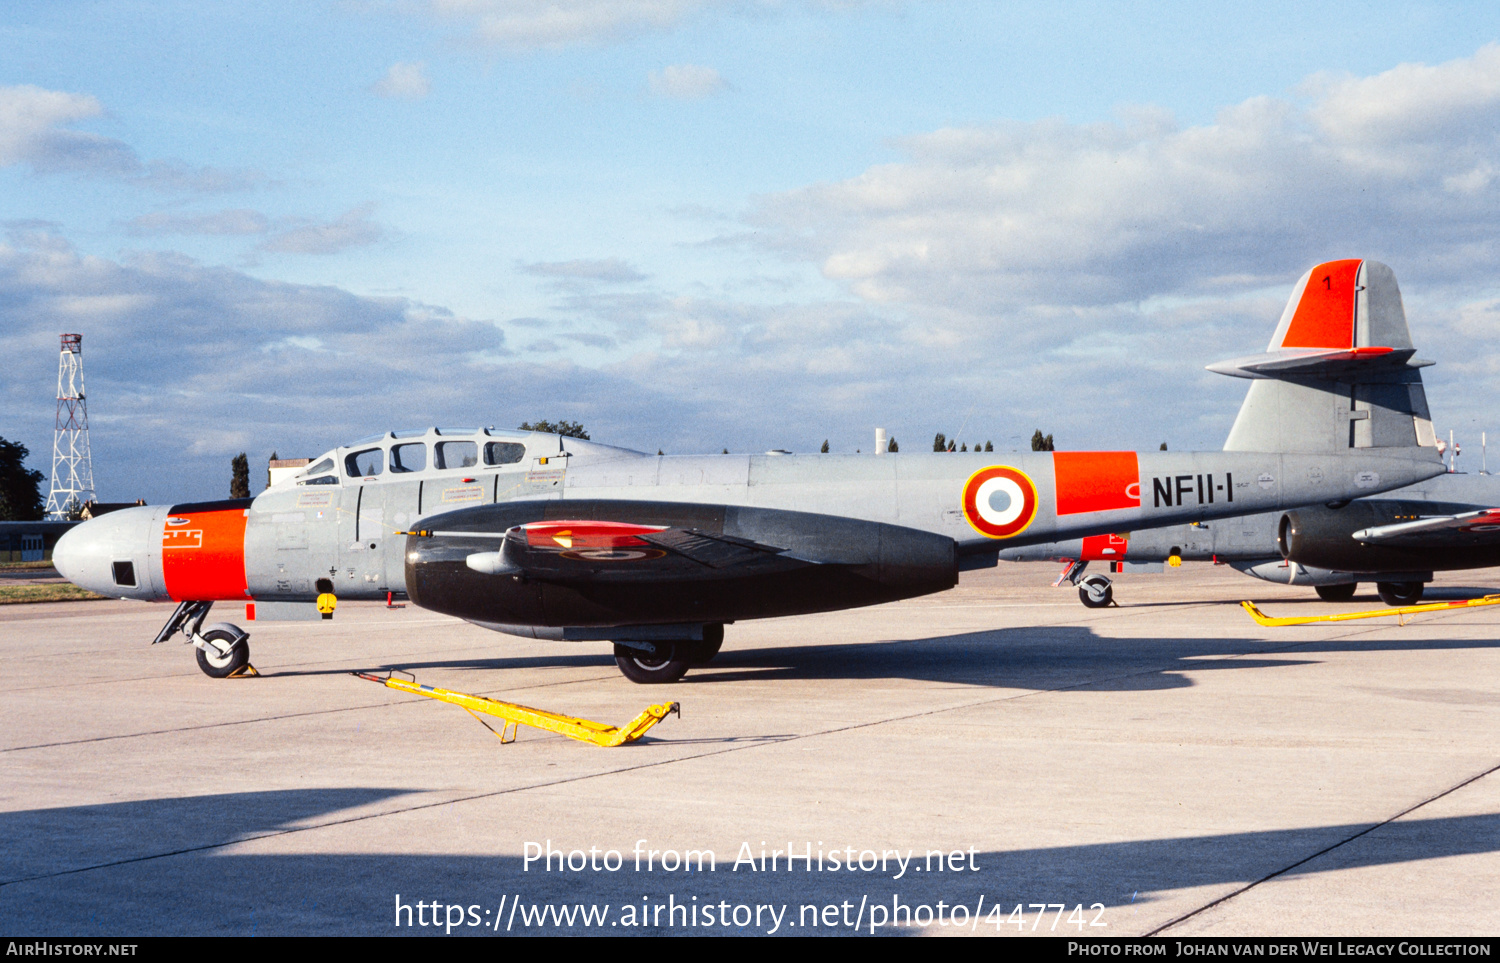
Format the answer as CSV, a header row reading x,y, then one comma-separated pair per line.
x,y
577,551
1437,531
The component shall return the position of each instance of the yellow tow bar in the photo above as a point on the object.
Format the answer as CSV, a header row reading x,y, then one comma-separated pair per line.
x,y
514,716
1401,613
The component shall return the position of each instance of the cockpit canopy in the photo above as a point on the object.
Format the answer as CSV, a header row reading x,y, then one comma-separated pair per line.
x,y
438,450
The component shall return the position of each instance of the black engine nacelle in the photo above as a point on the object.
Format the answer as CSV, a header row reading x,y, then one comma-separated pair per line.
x,y
837,563
1324,538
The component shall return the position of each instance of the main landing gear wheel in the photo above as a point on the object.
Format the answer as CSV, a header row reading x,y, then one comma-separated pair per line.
x,y
1337,593
665,665
1397,594
219,666
1095,591
697,653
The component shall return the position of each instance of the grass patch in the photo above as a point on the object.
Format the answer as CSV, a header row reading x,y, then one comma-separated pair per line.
x,y
61,592
23,566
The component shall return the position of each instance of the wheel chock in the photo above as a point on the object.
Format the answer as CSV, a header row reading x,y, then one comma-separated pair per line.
x,y
1400,613
246,671
514,716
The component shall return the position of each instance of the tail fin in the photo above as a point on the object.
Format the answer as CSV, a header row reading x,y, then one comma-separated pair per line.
x,y
1339,372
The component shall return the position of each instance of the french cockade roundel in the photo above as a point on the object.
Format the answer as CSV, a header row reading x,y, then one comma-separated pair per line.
x,y
999,501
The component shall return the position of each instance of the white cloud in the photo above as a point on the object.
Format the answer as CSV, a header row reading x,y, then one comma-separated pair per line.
x,y
33,131
177,177
533,24
993,219
556,23
685,82
404,81
178,355
233,222
606,269
1411,103
352,229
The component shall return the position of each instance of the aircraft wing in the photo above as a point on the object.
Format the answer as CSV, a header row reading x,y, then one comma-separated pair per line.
x,y
1436,531
604,551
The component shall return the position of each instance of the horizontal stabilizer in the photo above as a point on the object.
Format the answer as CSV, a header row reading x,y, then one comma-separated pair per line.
x,y
1481,527
1327,363
1339,374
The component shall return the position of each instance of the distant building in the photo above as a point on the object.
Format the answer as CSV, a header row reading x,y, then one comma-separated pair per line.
x,y
33,541
30,541
281,469
95,509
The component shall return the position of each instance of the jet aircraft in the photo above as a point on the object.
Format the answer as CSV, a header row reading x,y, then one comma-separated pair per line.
x,y
557,538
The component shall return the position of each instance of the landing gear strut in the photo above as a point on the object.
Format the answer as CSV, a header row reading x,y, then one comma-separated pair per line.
x,y
658,663
223,649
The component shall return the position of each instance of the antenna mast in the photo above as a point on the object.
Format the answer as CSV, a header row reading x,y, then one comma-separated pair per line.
x,y
72,466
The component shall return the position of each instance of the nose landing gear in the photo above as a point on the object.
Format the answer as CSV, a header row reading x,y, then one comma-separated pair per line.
x,y
223,649
1095,591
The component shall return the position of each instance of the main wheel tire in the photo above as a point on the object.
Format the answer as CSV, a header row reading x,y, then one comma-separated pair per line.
x,y
667,665
1095,591
699,652
1397,594
1337,593
216,666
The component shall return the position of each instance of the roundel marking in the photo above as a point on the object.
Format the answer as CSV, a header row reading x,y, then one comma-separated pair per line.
x,y
612,554
999,501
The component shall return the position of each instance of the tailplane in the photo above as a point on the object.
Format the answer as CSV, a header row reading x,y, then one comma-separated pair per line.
x,y
1340,373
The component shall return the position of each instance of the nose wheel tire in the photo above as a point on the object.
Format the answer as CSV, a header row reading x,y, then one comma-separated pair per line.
x,y
1095,591
1397,594
219,666
1337,593
663,666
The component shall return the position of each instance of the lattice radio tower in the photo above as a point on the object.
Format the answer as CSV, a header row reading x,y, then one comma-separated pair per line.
x,y
72,467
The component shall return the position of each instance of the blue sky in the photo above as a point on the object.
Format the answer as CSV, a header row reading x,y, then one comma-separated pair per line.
x,y
694,224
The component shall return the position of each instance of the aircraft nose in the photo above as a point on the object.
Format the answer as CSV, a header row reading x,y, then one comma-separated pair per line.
x,y
109,554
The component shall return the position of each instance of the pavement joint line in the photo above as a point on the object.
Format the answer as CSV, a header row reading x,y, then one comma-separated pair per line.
x,y
1327,849
744,746
611,772
188,674
1347,634
1362,630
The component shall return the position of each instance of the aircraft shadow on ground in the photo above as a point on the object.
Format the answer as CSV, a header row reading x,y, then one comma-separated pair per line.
x,y
150,867
1046,657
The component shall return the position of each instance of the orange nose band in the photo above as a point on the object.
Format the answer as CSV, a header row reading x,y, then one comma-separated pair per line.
x,y
203,555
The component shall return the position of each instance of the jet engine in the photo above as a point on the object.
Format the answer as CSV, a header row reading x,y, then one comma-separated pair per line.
x,y
609,564
1323,537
